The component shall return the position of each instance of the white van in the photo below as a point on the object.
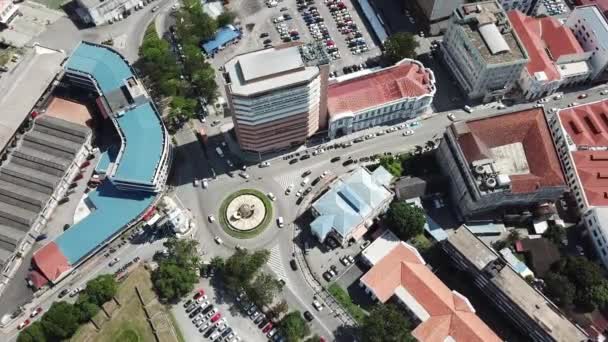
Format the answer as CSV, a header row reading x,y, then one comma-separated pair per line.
x,y
468,109
280,222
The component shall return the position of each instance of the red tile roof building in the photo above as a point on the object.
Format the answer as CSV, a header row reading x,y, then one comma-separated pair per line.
x,y
581,135
443,314
387,96
555,57
501,162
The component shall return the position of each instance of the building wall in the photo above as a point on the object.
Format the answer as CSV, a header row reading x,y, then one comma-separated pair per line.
x,y
476,78
533,88
280,118
525,6
104,11
591,30
511,311
598,232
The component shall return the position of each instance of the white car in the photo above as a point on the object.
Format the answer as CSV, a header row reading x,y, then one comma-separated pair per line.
x,y
604,92
201,300
280,222
271,196
304,181
324,174
211,218
408,132
289,189
196,182
451,116
218,240
265,164
299,193
317,305
205,183
244,175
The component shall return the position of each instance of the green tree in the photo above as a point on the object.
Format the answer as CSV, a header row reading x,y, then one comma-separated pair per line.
x,y
559,288
178,271
293,327
87,308
385,323
225,18
240,269
278,309
405,220
263,289
182,107
399,46
61,321
101,289
315,338
33,333
556,234
392,165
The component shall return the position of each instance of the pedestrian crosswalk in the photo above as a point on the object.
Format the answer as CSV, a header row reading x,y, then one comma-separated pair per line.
x,y
293,177
275,262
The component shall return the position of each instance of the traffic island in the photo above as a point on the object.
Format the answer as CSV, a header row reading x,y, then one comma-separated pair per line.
x,y
245,214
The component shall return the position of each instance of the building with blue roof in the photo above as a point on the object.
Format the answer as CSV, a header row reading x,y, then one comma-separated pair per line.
x,y
223,36
349,207
135,171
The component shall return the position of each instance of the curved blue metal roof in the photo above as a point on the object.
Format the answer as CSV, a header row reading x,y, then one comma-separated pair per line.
x,y
109,69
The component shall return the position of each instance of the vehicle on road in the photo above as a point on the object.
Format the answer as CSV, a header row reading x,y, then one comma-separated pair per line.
x,y
304,157
196,183
408,133
468,109
264,35
218,240
309,317
265,164
280,222
299,193
293,264
155,8
211,218
317,305
293,161
75,291
244,175
306,173
582,96
348,162
199,293
451,116
304,181
23,324
324,174
114,262
35,312
289,189
271,196
335,159
205,183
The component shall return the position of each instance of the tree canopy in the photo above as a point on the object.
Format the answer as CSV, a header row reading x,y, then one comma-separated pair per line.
x,y
225,18
101,289
242,266
399,46
405,220
177,273
294,327
582,275
385,323
560,289
33,333
263,289
61,321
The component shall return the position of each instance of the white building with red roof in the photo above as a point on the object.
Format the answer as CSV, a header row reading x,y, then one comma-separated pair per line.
x,y
384,97
556,58
581,137
440,314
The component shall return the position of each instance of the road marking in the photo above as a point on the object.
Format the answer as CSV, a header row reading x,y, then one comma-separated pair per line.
x,y
275,262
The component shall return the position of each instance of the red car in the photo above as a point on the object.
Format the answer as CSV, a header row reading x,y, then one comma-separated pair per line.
x,y
216,317
199,293
35,312
322,339
267,328
23,324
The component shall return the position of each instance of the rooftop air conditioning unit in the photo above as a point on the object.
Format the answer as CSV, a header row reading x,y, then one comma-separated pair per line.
x,y
491,182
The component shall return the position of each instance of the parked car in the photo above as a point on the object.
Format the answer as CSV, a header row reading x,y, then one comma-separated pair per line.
x,y
293,264
309,317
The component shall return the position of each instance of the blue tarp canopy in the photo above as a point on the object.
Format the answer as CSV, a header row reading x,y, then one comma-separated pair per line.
x,y
223,36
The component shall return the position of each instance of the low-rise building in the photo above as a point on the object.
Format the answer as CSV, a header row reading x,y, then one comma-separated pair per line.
x,y
499,164
277,96
482,51
384,97
590,27
351,204
99,12
527,308
8,11
556,59
399,273
581,137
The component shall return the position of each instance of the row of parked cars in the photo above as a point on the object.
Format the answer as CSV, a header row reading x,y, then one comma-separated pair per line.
x,y
259,319
346,26
208,320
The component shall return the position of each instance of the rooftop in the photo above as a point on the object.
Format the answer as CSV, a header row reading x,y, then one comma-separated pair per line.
x,y
224,35
601,4
519,143
542,253
409,78
446,315
587,127
348,203
514,287
545,40
488,29
21,88
268,69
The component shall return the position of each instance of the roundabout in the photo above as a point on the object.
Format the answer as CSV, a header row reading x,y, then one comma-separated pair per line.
x,y
245,213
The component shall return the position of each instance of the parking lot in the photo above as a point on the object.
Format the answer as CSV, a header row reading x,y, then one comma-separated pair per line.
x,y
230,323
257,19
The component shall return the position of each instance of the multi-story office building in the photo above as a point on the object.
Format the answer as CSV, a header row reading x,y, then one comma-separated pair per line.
x,y
529,310
590,28
434,13
384,97
581,137
556,57
482,51
277,96
501,164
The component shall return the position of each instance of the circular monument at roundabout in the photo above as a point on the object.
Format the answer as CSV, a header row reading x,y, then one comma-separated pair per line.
x,y
245,213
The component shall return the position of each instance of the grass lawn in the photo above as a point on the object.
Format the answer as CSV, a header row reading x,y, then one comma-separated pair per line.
x,y
344,299
128,323
223,219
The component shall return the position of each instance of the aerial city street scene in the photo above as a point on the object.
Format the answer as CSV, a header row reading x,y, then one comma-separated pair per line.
x,y
303,170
